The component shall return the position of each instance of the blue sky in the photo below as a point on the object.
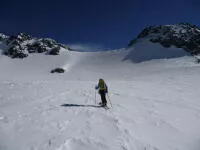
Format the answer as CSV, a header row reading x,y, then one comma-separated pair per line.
x,y
106,23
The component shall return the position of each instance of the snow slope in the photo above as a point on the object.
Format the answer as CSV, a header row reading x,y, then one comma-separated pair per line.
x,y
145,50
155,103
2,46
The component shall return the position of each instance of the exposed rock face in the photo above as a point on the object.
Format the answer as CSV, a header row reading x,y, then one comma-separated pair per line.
x,y
54,51
3,37
21,45
58,70
183,35
16,51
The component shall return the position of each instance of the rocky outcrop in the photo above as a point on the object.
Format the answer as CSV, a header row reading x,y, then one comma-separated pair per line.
x,y
21,45
183,35
58,70
2,37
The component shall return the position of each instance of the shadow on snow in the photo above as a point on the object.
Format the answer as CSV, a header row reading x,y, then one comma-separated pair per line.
x,y
77,105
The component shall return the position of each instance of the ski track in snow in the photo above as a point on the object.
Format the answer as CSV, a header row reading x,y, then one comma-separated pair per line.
x,y
153,109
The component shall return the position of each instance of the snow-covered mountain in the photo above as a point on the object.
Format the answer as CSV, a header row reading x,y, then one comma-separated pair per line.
x,y
154,42
19,46
183,35
155,103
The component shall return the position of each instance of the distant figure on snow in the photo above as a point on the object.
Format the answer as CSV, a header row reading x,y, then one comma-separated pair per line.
x,y
103,89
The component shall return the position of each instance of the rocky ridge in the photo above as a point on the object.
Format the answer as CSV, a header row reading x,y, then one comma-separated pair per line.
x,y
21,45
183,35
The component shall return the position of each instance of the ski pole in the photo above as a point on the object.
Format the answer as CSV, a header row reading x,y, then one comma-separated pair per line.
x,y
109,100
95,97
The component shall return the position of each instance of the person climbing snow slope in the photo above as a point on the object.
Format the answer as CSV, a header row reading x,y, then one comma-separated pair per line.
x,y
103,89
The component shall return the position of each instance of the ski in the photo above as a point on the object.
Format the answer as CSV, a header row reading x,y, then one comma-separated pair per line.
x,y
105,107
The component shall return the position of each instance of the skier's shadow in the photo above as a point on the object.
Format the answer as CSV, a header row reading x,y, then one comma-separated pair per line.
x,y
77,105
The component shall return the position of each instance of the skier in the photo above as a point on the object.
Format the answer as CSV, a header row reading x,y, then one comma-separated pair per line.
x,y
102,91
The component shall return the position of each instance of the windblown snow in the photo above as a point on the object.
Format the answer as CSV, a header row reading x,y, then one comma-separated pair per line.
x,y
155,103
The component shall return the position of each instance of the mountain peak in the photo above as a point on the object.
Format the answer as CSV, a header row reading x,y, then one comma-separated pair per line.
x,y
22,44
182,35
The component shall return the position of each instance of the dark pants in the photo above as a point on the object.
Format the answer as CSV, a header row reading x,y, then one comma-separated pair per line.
x,y
103,96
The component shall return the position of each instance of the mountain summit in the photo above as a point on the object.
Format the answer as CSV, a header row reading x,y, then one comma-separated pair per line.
x,y
183,35
154,42
20,45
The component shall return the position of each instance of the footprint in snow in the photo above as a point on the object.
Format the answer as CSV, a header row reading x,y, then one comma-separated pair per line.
x,y
84,143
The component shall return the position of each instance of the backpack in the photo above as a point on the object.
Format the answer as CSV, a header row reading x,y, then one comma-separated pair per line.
x,y
102,86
